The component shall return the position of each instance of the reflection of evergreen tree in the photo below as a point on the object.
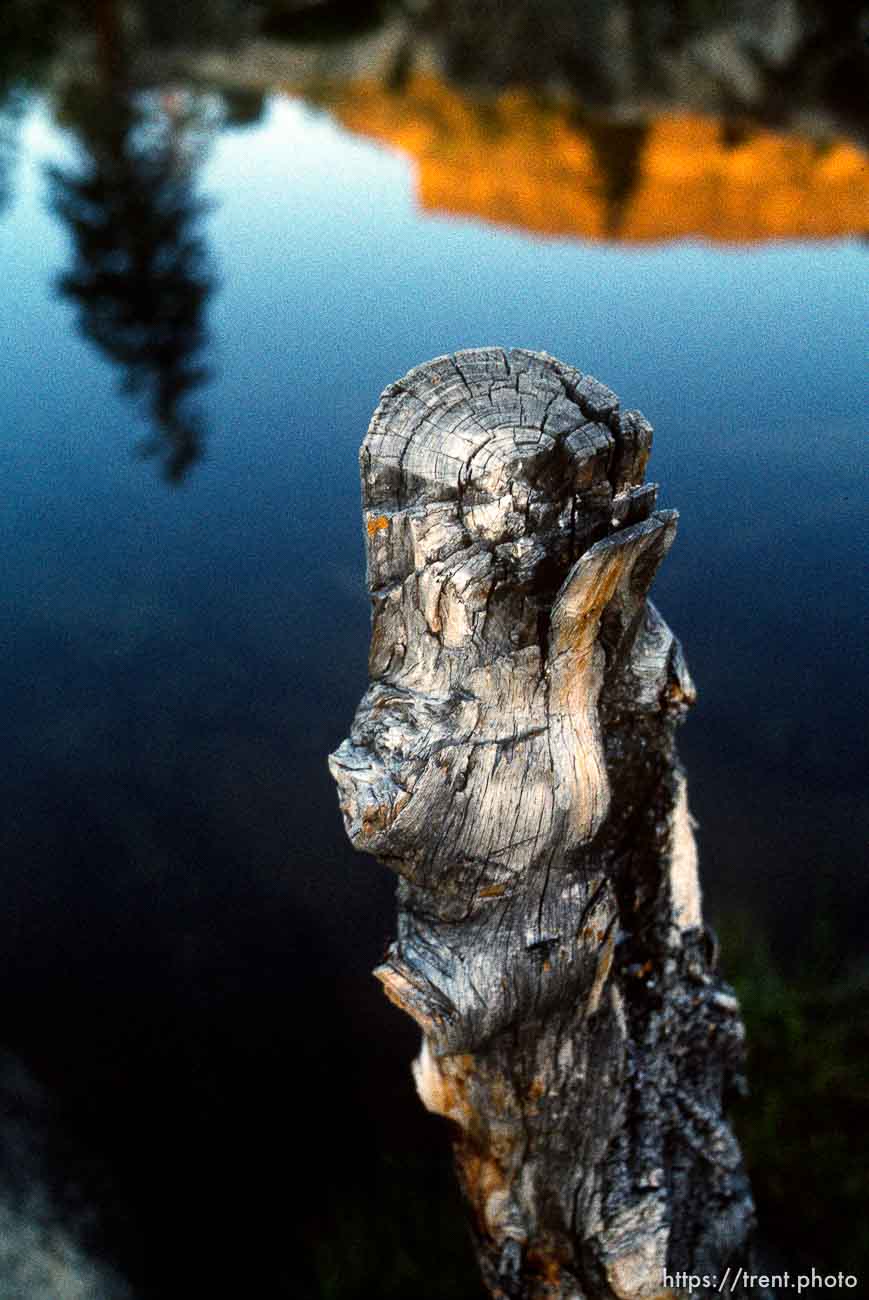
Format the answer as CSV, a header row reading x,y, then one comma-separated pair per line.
x,y
140,277
618,150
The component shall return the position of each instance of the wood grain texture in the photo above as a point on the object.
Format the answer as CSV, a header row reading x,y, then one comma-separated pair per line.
x,y
513,761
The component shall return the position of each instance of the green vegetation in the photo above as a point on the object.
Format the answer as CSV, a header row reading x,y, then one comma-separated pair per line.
x,y
807,1115
402,1234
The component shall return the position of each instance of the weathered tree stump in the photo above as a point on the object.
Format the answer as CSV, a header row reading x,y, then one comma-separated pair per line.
x,y
514,762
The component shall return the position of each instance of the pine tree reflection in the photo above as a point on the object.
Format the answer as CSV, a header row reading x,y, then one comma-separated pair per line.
x,y
141,278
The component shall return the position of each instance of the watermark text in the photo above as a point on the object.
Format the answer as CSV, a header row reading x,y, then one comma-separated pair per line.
x,y
734,1280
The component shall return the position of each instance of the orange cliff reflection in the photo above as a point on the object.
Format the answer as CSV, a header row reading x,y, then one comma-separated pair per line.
x,y
543,168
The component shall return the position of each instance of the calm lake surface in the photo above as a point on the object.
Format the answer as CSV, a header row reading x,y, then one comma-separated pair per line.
x,y
185,626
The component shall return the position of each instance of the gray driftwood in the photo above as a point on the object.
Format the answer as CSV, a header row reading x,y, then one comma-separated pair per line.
x,y
513,761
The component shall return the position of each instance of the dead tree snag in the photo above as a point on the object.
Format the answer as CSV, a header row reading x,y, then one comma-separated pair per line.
x,y
513,761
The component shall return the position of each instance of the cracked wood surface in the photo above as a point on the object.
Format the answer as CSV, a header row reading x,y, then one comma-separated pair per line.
x,y
513,760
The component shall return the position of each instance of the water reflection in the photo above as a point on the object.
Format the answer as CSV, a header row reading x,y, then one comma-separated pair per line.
x,y
140,278
186,941
10,113
637,124
775,60
27,45
556,169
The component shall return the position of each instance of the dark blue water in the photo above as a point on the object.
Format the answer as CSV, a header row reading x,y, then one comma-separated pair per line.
x,y
179,657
